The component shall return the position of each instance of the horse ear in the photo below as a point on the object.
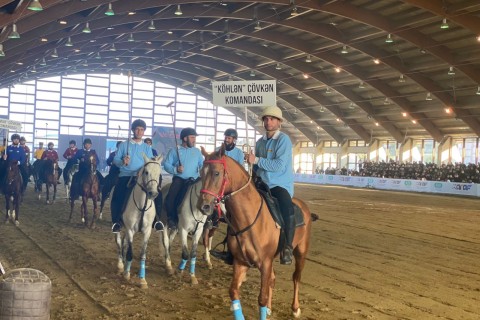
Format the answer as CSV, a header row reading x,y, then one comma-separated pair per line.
x,y
221,151
204,152
145,158
159,158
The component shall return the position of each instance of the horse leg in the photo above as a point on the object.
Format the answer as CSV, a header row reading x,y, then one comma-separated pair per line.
x,y
185,255
72,205
300,253
239,272
266,270
47,186
16,202
165,239
95,211
7,207
143,257
84,209
193,254
54,192
129,255
119,242
207,243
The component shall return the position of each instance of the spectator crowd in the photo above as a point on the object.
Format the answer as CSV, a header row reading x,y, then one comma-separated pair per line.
x,y
458,172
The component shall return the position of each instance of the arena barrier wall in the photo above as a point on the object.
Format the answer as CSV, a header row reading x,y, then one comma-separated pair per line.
x,y
441,187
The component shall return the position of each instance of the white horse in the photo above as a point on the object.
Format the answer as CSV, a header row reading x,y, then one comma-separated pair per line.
x,y
138,216
191,220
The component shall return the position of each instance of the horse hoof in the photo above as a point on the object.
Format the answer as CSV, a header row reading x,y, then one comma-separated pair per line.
x,y
209,266
100,216
296,314
194,280
83,220
170,271
17,223
126,276
143,284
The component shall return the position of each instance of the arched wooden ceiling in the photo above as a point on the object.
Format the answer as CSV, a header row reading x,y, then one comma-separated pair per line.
x,y
228,40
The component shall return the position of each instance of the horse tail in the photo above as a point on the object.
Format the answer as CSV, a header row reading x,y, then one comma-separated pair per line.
x,y
314,216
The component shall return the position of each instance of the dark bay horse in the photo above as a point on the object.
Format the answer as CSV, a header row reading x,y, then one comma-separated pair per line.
x,y
88,188
45,172
12,189
253,236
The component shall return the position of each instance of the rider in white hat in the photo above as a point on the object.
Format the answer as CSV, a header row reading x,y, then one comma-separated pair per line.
x,y
273,163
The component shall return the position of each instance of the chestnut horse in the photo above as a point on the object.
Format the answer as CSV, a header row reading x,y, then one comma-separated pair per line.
x,y
253,236
12,189
46,172
88,188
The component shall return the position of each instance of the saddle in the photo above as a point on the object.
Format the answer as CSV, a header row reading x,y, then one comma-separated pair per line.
x,y
273,206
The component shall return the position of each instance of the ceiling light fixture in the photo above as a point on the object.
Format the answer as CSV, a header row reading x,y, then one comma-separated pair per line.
x,y
401,78
478,91
278,67
451,71
69,42
151,26
35,5
444,24
404,114
252,73
306,76
376,61
328,91
344,50
61,21
337,69
308,59
43,39
361,85
109,11
43,62
351,106
429,97
98,56
169,32
2,53
258,26
386,101
389,38
14,34
322,109
178,12
299,96
414,121
87,28
130,38
34,70
112,48
54,53
448,110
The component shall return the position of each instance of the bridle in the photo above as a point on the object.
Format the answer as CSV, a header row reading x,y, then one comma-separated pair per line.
x,y
143,187
221,196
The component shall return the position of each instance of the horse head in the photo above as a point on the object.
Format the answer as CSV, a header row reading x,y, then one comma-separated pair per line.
x,y
93,164
12,171
215,179
149,177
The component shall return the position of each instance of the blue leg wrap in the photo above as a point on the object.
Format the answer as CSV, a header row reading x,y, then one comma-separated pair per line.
x,y
182,264
127,266
237,310
141,272
263,313
193,261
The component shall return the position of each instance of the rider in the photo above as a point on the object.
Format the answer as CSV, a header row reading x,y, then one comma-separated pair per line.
x,y
69,154
27,161
111,178
15,152
273,163
80,157
184,170
149,142
129,159
51,154
39,152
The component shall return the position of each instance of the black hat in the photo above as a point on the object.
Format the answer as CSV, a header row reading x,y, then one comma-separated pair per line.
x,y
231,133
87,141
73,142
139,123
15,136
187,132
50,144
147,140
23,139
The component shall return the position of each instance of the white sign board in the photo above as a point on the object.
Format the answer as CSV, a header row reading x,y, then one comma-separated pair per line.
x,y
261,93
10,124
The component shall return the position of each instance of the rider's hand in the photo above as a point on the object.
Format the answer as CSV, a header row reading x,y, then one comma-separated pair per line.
x,y
180,169
126,160
251,158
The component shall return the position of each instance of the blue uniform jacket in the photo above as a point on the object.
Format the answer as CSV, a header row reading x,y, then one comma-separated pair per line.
x,y
136,150
16,153
192,161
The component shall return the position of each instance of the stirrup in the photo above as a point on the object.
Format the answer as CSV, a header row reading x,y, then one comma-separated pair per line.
x,y
286,255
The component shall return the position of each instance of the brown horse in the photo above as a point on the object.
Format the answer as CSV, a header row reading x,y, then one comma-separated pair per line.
x,y
46,173
253,236
12,189
88,188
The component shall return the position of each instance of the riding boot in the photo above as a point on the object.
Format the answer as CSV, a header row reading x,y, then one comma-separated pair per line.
x,y
287,253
